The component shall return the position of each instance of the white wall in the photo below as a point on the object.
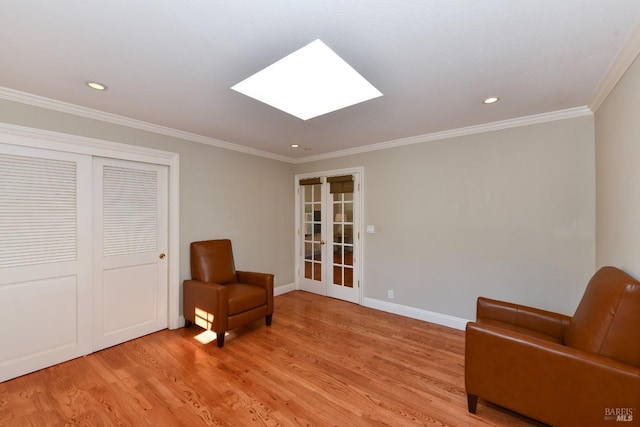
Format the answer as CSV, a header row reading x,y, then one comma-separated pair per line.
x,y
223,193
508,214
617,124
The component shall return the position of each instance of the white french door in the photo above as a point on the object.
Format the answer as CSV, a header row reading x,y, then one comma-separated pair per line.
x,y
130,265
329,249
342,280
312,253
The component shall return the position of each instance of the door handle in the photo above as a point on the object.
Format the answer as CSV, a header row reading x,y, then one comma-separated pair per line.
x,y
322,242
162,256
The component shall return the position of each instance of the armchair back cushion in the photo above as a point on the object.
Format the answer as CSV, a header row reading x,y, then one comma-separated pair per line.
x,y
212,262
607,319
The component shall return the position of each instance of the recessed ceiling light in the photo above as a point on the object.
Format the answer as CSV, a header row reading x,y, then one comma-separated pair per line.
x,y
295,145
96,85
491,100
310,82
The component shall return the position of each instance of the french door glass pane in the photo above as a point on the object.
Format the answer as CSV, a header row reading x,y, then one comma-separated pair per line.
x,y
342,220
312,226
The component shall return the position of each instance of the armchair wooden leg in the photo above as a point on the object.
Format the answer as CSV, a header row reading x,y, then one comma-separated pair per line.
x,y
268,319
472,403
220,339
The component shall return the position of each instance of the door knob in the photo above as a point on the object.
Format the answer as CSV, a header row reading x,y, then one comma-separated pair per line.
x,y
322,242
162,256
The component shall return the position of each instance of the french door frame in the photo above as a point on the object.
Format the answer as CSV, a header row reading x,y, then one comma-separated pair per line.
x,y
49,140
357,231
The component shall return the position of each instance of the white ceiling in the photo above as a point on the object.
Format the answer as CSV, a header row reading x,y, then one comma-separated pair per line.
x,y
172,63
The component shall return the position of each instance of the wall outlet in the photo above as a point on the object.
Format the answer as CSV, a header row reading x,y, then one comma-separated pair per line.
x,y
390,294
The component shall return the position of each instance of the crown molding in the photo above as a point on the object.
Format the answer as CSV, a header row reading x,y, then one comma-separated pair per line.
x,y
470,130
65,107
621,63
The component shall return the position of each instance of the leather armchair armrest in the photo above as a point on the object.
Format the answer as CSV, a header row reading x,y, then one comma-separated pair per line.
x,y
544,322
264,280
553,383
205,304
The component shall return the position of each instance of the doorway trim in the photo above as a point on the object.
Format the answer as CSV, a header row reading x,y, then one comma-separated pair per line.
x,y
360,215
50,140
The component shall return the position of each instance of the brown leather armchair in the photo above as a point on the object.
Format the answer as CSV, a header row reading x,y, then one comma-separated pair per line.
x,y
220,298
564,371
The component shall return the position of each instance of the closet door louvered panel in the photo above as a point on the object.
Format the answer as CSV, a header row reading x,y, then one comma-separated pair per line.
x,y
45,258
130,207
38,211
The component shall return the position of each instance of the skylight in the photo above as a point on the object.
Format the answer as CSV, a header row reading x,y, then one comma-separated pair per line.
x,y
310,82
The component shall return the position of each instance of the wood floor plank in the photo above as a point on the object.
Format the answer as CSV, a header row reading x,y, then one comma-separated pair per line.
x,y
323,362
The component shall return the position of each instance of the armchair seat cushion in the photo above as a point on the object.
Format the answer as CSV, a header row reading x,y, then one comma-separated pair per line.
x,y
520,330
242,297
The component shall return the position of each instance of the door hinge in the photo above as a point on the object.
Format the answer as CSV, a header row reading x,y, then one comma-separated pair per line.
x,y
358,283
358,235
358,187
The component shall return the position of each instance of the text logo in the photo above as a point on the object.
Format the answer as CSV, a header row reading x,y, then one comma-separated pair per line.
x,y
619,414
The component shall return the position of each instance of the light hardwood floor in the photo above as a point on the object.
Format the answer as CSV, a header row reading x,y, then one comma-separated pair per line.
x,y
323,362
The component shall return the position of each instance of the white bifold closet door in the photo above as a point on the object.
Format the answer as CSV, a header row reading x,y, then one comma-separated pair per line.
x,y
130,243
45,258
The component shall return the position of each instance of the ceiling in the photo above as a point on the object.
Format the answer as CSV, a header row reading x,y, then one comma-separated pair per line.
x,y
172,63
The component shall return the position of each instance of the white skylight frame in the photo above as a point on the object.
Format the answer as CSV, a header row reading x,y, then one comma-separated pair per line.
x,y
308,83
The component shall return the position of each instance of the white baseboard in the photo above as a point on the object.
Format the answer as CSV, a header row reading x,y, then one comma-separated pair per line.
x,y
283,289
180,324
389,307
417,313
